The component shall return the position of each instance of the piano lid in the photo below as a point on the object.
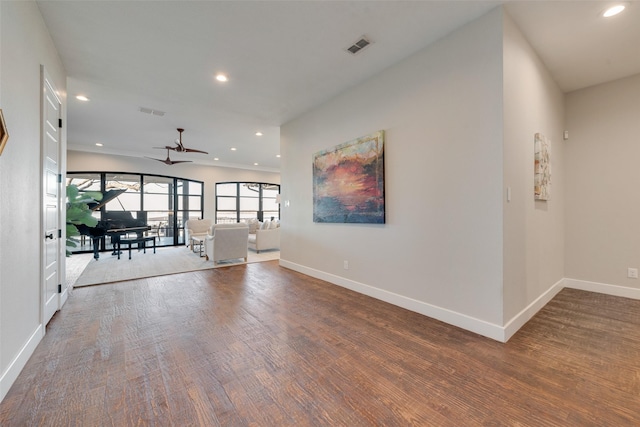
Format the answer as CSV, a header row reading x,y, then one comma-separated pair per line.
x,y
108,196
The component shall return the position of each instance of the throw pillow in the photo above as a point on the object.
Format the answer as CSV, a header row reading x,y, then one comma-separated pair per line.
x,y
253,225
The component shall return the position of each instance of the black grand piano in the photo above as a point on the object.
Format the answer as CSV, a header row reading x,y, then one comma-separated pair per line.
x,y
114,223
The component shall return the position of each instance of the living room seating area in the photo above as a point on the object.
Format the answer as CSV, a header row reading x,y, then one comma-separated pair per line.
x,y
222,242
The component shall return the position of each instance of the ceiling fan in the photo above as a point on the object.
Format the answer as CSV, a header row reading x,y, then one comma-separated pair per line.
x,y
180,148
168,160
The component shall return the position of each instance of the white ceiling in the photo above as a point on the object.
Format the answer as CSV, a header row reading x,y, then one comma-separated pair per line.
x,y
283,58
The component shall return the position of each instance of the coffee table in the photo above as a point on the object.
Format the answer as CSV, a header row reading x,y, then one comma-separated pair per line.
x,y
199,242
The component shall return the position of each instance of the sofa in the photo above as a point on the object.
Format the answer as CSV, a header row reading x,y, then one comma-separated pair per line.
x,y
266,236
226,242
195,228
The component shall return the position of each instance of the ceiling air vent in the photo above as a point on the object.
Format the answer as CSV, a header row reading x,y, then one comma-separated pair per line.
x,y
152,111
359,45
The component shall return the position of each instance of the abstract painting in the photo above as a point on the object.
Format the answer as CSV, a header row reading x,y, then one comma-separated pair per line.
x,y
4,135
348,182
542,167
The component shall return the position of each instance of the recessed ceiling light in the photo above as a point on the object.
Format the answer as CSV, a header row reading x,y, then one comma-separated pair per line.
x,y
233,148
98,144
613,10
215,158
82,98
278,155
221,77
255,164
258,133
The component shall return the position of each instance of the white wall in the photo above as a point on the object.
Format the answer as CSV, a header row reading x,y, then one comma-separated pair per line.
x,y
4,384
78,161
603,181
25,46
440,252
533,230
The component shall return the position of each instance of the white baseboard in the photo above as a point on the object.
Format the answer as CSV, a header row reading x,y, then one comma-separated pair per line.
x,y
489,330
519,320
63,296
15,367
603,288
460,320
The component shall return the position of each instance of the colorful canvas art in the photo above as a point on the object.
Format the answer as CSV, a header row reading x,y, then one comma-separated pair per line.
x,y
348,182
542,167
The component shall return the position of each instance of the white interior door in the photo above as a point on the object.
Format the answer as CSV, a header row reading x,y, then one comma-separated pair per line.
x,y
51,185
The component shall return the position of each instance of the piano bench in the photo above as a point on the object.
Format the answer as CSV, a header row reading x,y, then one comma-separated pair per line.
x,y
137,240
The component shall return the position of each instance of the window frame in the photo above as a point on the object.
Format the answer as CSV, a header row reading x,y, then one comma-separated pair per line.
x,y
237,214
175,216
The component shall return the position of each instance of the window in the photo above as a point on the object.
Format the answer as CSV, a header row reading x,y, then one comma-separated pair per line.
x,y
163,203
130,199
159,203
190,206
238,201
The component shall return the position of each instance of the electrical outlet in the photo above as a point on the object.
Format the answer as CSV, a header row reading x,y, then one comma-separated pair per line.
x,y
346,265
632,273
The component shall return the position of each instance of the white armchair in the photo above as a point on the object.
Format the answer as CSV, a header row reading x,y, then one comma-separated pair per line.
x,y
195,228
227,241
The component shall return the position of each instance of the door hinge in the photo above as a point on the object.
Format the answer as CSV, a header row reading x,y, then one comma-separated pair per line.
x,y
59,233
60,123
59,178
59,288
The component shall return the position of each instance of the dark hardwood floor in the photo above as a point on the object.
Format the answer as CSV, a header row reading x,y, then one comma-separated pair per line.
x,y
260,345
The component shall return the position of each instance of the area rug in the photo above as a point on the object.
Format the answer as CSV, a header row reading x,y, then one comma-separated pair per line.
x,y
109,268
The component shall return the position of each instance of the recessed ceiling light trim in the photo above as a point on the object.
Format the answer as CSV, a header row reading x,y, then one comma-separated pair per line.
x,y
82,98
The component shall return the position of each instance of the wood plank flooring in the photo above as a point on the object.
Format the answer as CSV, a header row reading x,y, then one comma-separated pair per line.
x,y
260,345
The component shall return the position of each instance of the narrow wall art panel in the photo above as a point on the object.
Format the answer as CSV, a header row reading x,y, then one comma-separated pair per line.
x,y
542,167
348,182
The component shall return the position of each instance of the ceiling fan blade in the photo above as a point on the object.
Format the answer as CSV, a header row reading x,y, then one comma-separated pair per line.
x,y
193,150
159,160
173,162
166,161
